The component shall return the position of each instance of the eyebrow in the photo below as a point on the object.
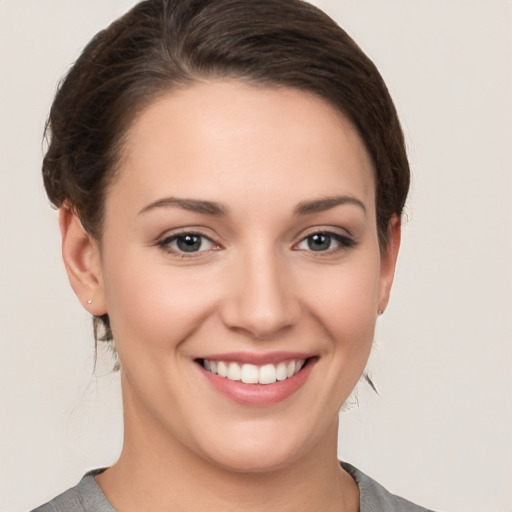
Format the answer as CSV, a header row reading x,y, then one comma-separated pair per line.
x,y
212,208
193,205
326,203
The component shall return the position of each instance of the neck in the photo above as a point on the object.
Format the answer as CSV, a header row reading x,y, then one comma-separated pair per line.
x,y
157,472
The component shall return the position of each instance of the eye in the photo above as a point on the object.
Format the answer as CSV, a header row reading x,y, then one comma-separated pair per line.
x,y
325,241
187,243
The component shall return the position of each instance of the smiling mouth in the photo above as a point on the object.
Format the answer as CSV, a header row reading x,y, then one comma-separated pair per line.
x,y
254,374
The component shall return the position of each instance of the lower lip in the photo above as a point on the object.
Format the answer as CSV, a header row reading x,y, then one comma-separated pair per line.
x,y
259,394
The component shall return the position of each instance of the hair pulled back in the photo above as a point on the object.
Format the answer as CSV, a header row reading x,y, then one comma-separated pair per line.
x,y
161,45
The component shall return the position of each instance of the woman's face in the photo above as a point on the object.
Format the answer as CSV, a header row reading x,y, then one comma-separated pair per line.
x,y
240,236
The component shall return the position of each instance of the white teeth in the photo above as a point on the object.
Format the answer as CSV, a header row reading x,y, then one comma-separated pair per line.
x,y
222,369
281,371
252,374
233,371
267,374
249,374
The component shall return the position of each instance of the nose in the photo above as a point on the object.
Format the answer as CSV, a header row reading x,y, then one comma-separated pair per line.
x,y
261,301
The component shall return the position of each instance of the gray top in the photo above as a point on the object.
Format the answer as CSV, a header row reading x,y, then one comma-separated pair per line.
x,y
88,497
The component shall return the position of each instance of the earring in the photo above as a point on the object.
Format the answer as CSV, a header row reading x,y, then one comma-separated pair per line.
x,y
89,301
380,311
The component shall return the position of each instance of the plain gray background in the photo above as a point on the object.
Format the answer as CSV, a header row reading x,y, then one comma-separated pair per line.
x,y
440,432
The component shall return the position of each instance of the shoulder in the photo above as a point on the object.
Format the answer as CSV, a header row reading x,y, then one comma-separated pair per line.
x,y
375,497
86,496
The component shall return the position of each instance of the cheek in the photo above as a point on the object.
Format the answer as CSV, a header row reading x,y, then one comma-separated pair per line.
x,y
346,297
154,305
344,301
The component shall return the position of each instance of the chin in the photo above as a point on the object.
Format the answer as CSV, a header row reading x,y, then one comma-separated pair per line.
x,y
249,460
264,449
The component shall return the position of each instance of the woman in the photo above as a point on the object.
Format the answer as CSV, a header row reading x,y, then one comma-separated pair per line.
x,y
230,177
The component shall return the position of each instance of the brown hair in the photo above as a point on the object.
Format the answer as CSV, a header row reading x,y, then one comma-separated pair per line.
x,y
160,45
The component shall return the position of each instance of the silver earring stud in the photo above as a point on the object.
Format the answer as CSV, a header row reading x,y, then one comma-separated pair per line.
x,y
380,311
89,301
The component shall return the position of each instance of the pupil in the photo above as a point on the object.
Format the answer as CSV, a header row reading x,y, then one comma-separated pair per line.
x,y
319,242
189,243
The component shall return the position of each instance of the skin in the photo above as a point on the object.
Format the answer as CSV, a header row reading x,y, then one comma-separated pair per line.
x,y
255,286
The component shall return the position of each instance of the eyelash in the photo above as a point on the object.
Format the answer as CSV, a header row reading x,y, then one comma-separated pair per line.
x,y
166,242
344,243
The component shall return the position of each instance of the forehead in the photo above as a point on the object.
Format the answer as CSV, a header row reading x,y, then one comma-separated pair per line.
x,y
229,138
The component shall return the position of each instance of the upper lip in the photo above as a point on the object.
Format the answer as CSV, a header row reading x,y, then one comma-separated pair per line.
x,y
257,359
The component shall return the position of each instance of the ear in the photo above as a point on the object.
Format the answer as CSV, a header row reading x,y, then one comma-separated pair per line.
x,y
388,261
81,256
